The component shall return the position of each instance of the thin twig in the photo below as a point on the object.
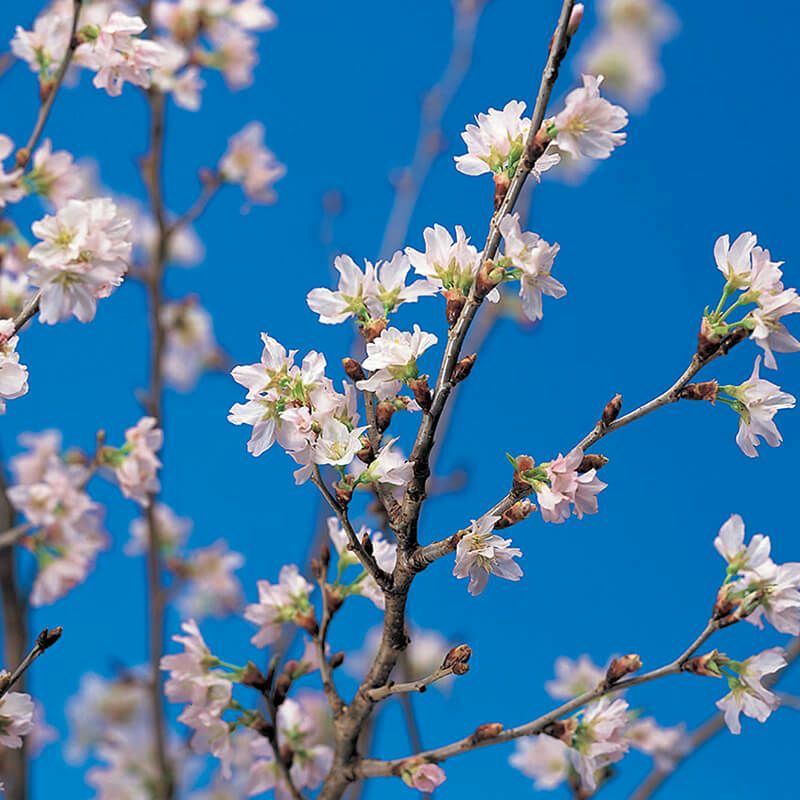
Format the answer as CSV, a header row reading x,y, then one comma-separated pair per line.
x,y
707,731
24,156
420,685
10,537
44,641
211,186
536,726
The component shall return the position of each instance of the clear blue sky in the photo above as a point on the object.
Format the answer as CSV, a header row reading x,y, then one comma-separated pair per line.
x,y
338,89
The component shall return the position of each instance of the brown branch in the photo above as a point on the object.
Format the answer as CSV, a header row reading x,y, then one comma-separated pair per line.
x,y
24,155
373,768
10,537
271,734
320,640
415,493
381,692
707,731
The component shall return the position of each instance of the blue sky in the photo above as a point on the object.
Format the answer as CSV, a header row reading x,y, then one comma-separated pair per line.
x,y
338,89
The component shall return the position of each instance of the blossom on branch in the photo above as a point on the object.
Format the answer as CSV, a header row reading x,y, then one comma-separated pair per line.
x,y
13,375
574,677
248,162
748,694
279,604
481,553
136,464
83,256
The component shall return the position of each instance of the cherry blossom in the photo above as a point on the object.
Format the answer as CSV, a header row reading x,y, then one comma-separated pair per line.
x,y
43,47
249,163
136,464
748,694
650,18
481,553
422,776
735,261
730,545
190,346
566,490
757,401
389,467
210,586
533,257
542,758
10,188
278,604
393,356
16,718
13,375
174,76
776,587
588,126
664,745
171,531
115,51
82,256
574,677
55,176
496,143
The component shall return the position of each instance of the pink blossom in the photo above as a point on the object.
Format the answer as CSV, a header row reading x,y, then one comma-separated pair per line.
x,y
248,162
423,776
568,491
542,758
481,553
211,588
278,604
13,375
11,189
55,175
16,718
136,464
574,677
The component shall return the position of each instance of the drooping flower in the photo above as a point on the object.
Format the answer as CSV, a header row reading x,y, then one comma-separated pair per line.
x,y
588,126
481,553
248,162
136,464
748,694
533,257
757,402
567,490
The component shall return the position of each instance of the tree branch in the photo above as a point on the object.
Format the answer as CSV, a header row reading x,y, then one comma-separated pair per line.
x,y
44,641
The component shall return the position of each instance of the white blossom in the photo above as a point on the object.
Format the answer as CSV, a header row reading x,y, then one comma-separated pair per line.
x,y
481,553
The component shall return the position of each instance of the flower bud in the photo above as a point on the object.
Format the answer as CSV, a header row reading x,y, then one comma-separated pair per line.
x,y
518,512
336,660
259,724
253,677
457,659
501,184
383,414
575,19
373,329
353,369
5,679
366,454
282,685
622,666
612,409
563,729
455,302
333,599
286,753
723,605
307,621
707,340
422,393
706,390
48,637
325,554
708,665
486,731
591,461
488,277
463,368
344,493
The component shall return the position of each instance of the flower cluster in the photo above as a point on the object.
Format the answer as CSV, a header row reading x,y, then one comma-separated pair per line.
x,y
66,524
82,256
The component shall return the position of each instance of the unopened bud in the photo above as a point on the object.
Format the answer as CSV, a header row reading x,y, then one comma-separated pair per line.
x,y
252,676
333,599
591,461
708,665
463,368
501,184
48,637
612,409
489,276
518,512
422,393
563,729
282,685
259,724
344,493
307,621
353,369
487,731
519,483
337,659
622,666
5,679
707,340
316,569
706,390
455,302
457,659
575,19
373,329
325,554
287,755
723,605
366,454
23,155
366,543
384,412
